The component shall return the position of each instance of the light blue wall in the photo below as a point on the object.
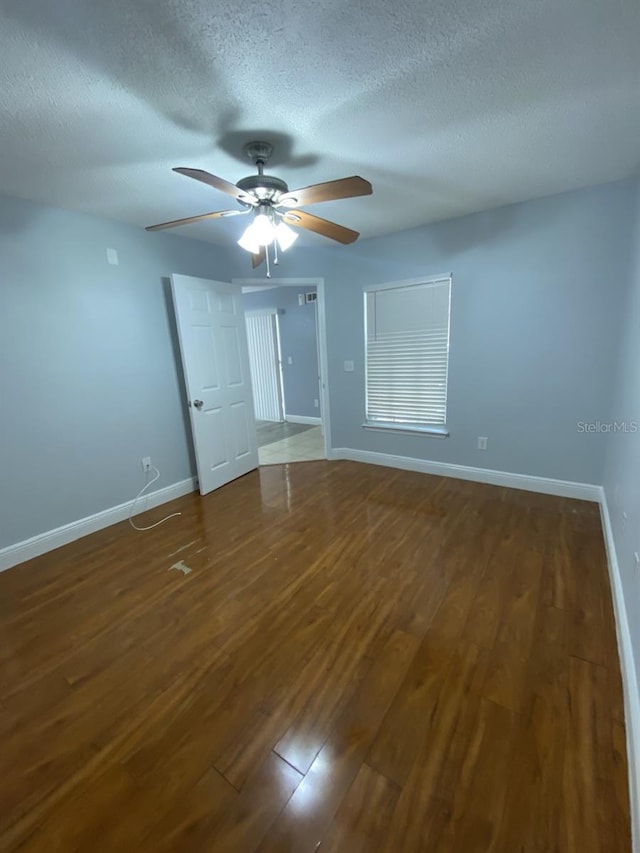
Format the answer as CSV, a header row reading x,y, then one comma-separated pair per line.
x,y
534,329
89,366
622,466
298,341
89,369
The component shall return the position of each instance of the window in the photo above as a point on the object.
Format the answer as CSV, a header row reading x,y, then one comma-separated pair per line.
x,y
407,355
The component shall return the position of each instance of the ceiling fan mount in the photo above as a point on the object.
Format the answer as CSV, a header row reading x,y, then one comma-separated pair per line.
x,y
269,199
258,151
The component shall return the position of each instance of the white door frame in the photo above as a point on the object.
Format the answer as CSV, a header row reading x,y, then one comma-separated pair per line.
x,y
318,283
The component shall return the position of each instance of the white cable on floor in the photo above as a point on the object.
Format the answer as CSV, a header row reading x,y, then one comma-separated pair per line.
x,y
137,498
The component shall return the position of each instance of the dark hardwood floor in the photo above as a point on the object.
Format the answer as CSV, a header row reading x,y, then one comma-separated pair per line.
x,y
360,660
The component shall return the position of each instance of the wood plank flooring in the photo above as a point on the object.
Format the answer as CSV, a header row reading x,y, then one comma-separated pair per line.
x,y
360,660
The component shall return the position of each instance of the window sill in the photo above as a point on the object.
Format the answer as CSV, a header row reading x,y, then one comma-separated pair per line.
x,y
432,431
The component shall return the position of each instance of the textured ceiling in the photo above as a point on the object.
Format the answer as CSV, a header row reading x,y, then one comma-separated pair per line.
x,y
446,106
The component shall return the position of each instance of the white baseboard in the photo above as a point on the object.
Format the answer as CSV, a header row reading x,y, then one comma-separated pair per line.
x,y
629,680
30,548
544,485
302,419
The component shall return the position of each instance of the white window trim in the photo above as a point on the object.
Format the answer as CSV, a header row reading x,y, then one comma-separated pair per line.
x,y
431,430
434,431
408,282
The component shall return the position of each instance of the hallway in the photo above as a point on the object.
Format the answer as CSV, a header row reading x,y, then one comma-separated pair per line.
x,y
284,442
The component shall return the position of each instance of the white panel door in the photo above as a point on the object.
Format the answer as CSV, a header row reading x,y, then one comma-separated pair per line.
x,y
264,358
215,360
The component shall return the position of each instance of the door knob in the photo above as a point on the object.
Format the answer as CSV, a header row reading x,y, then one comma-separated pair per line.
x,y
198,404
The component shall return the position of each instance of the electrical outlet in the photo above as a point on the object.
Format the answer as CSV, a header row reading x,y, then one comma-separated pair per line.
x,y
146,463
348,367
316,403
482,442
289,359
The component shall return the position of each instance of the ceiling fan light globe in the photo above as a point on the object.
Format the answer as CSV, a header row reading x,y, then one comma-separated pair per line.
x,y
263,229
285,236
248,241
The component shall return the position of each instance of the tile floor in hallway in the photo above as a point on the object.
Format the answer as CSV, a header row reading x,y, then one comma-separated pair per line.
x,y
303,447
270,431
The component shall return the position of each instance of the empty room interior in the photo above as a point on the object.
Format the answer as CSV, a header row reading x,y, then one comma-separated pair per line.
x,y
319,426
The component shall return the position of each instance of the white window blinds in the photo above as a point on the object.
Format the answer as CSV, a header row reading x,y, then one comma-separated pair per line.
x,y
407,353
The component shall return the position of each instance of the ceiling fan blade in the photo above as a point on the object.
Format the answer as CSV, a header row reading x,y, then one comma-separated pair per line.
x,y
258,257
217,183
301,219
328,191
217,215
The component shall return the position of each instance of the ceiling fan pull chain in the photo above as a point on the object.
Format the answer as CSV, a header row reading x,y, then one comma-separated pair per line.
x,y
275,252
266,254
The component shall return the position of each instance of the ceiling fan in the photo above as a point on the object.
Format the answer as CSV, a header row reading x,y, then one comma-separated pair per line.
x,y
274,207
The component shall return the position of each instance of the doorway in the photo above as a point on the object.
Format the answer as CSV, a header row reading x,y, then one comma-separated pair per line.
x,y
286,357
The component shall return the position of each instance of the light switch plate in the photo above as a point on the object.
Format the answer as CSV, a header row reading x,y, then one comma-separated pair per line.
x,y
112,257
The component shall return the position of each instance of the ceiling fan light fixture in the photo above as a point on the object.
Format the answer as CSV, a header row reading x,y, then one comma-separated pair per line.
x,y
260,232
263,229
248,241
285,236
